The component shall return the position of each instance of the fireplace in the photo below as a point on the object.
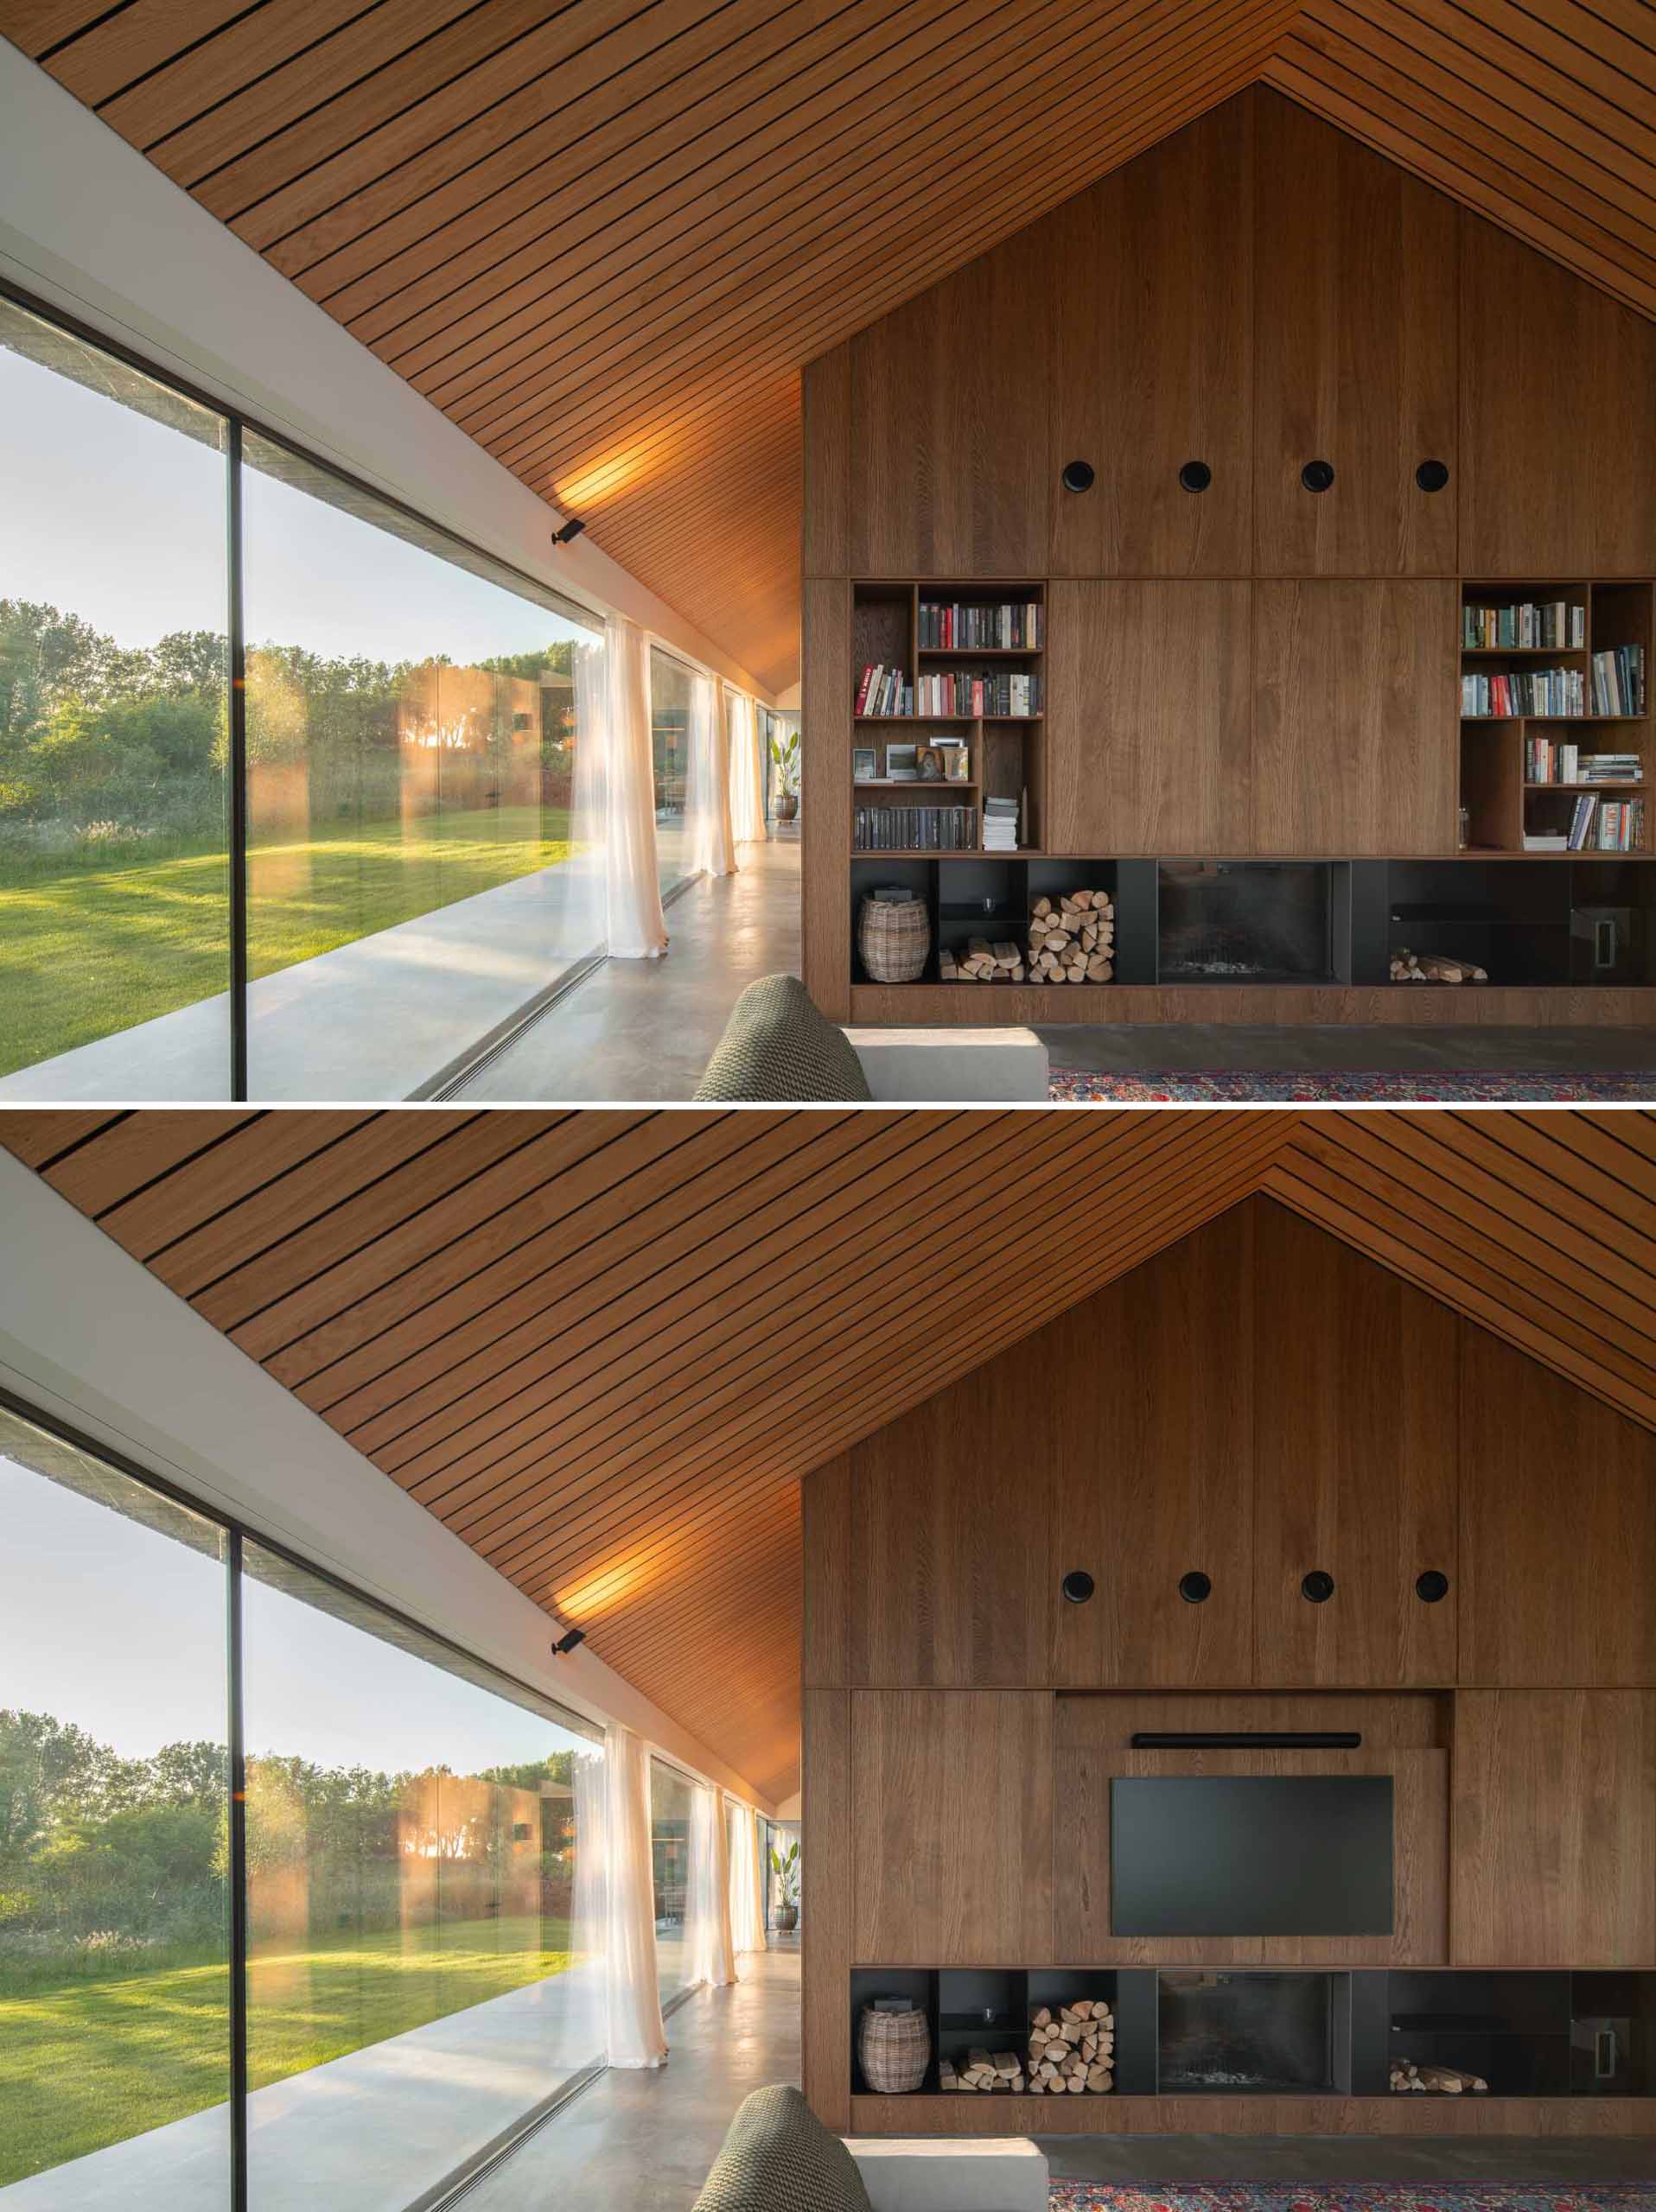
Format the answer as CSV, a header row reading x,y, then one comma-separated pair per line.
x,y
1240,2034
1247,922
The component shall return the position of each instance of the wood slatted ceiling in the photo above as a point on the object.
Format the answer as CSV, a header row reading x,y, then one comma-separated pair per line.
x,y
603,1347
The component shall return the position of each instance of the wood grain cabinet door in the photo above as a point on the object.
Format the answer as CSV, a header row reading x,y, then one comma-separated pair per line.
x,y
1356,718
1557,1529
1355,1427
952,1794
1152,362
948,459
1554,1807
1149,717
1154,1471
1558,433
1356,283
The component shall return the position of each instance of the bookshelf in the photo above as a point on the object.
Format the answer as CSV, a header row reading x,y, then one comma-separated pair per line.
x,y
1514,786
985,700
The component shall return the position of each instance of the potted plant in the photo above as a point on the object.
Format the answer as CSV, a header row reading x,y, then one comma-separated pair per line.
x,y
785,1867
785,753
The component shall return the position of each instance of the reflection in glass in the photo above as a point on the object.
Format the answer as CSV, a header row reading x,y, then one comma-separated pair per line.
x,y
412,1843
670,1823
114,868
114,1792
670,697
413,791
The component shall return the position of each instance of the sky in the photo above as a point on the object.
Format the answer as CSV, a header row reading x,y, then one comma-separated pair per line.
x,y
121,520
120,1629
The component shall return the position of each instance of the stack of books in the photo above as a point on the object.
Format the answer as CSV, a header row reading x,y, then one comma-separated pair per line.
x,y
1602,825
884,690
1010,628
914,829
958,693
1619,681
1000,825
1553,692
1553,760
1554,622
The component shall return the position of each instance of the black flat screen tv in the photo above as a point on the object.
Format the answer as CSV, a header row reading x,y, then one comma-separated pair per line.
x,y
1250,1855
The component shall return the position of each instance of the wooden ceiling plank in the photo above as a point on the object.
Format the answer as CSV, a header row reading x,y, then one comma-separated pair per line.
x,y
38,1137
137,1149
36,26
135,39
246,1162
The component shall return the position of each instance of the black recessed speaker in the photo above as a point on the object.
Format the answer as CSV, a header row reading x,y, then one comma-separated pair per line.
x,y
1196,476
1432,475
1317,1587
1077,476
1317,475
1431,1586
1194,1586
1077,1586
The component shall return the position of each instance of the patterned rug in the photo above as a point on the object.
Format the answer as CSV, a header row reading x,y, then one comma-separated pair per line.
x,y
1354,2196
1351,1086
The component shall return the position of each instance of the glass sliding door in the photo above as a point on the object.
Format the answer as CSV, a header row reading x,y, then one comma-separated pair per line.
x,y
670,1831
115,965
670,692
115,2028
423,1971
414,803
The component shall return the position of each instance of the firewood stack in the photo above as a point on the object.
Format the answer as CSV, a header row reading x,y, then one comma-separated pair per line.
x,y
982,962
1073,938
1433,967
1447,2080
986,2072
1073,2052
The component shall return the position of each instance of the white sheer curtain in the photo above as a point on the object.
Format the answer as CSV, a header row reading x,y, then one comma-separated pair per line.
x,y
577,890
708,800
585,1987
637,930
746,785
636,2037
712,1960
747,1881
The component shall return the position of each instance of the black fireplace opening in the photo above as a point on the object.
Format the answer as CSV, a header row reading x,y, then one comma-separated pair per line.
x,y
1250,922
1250,2034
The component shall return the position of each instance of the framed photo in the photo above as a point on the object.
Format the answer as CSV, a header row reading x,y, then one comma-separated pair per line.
x,y
899,762
862,764
930,763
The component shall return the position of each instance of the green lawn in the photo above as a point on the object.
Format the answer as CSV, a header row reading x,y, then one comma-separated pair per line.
x,y
84,950
85,2062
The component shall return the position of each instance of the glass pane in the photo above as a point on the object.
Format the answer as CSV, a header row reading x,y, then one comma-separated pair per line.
x,y
413,798
419,1976
114,866
670,1817
670,683
114,1796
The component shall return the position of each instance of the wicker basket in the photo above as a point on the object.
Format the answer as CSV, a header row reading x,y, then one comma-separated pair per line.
x,y
894,2049
894,938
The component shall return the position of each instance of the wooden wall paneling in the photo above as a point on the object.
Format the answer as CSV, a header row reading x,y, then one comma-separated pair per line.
x,y
1085,1770
1579,389
1555,1828
825,403
1356,718
1355,1399
1356,354
1153,1476
1558,1529
950,1814
949,403
1152,362
826,1907
949,1519
830,1575
825,824
1569,2117
1149,717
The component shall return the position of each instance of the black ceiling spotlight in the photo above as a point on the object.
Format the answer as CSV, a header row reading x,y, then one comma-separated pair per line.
x,y
1196,476
1431,1587
1077,476
1317,1588
1078,1586
1317,475
1194,1586
571,529
566,1642
1432,475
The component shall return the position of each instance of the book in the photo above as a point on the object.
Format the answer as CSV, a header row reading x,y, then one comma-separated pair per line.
x,y
1619,681
914,829
1555,693
1524,627
1008,626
